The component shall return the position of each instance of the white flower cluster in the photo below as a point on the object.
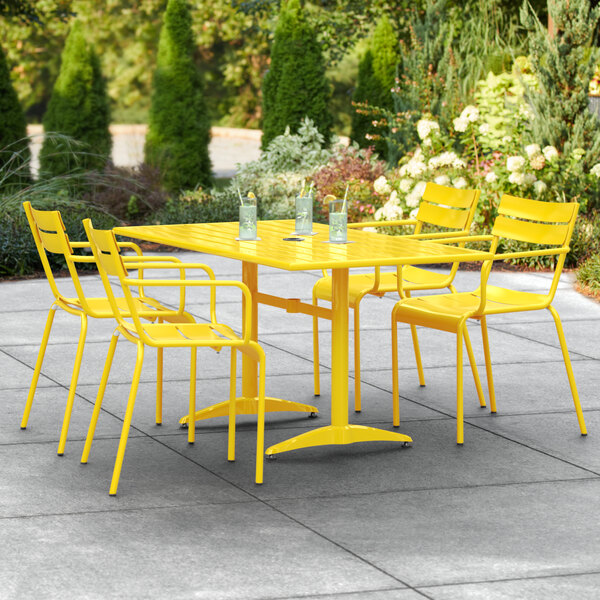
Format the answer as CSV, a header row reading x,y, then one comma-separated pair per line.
x,y
413,198
381,186
516,164
595,170
391,210
415,167
550,153
425,127
470,114
446,159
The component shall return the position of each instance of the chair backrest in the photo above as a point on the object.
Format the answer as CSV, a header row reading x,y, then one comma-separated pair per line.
x,y
546,226
447,207
50,236
110,264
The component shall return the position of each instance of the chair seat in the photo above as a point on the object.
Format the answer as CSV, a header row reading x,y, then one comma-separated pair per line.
x,y
146,307
187,333
445,311
413,278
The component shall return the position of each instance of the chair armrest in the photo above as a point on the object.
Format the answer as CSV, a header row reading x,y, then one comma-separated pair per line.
x,y
212,283
525,254
131,245
382,223
464,238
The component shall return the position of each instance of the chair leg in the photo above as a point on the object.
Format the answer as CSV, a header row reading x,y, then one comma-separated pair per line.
x,y
357,398
474,368
460,433
395,391
260,423
316,368
232,411
488,365
567,360
127,421
38,366
99,397
159,382
415,341
192,407
73,386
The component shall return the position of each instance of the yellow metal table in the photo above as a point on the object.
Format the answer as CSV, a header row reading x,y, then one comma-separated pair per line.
x,y
365,249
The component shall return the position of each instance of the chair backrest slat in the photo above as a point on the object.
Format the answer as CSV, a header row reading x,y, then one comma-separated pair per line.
x,y
51,230
447,207
531,233
536,210
442,216
441,194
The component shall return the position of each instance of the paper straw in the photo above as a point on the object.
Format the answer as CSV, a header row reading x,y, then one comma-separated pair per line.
x,y
345,196
240,195
302,190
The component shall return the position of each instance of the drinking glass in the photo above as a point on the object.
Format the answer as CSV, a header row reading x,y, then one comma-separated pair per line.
x,y
304,206
248,219
338,221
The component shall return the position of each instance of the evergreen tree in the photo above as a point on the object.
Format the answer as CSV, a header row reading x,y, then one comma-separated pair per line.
x,y
295,86
14,145
179,126
564,64
79,108
376,77
427,83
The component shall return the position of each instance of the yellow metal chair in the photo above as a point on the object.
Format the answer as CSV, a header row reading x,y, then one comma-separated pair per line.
x,y
547,227
50,237
442,207
166,335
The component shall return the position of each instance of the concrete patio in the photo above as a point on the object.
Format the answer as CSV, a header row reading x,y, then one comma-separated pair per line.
x,y
511,514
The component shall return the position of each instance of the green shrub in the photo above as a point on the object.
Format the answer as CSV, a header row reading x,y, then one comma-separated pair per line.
x,y
564,65
588,274
376,75
276,177
179,127
14,145
18,253
198,206
79,109
295,86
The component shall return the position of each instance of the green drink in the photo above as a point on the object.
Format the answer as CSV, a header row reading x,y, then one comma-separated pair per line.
x,y
338,222
304,206
248,219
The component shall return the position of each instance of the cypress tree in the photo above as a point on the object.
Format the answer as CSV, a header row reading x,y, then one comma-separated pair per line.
x,y
376,77
78,108
295,85
14,145
564,64
179,126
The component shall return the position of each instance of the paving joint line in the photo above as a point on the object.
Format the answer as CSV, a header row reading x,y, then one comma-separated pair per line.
x,y
495,433
509,579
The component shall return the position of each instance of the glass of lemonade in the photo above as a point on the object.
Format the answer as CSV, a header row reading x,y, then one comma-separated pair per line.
x,y
304,207
248,218
338,221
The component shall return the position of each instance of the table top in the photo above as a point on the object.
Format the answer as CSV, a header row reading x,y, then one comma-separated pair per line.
x,y
367,249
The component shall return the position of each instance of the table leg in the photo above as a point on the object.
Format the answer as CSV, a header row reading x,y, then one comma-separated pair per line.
x,y
340,431
247,404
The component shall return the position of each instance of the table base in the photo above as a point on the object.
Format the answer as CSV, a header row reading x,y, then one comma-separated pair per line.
x,y
337,434
249,406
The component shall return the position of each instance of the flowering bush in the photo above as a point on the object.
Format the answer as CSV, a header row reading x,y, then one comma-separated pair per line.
x,y
461,159
362,173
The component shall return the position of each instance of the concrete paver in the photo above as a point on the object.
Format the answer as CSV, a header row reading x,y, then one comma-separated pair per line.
x,y
511,514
